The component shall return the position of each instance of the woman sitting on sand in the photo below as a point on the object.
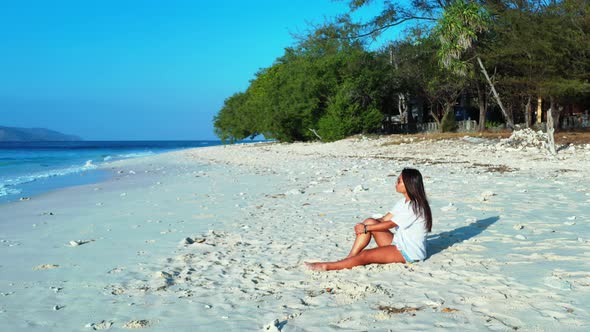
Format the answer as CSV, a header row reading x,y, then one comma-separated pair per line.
x,y
412,218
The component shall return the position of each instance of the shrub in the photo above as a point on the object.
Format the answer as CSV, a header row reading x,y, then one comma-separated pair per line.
x,y
448,122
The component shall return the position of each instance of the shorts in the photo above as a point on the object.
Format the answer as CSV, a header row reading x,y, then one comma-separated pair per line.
x,y
404,254
406,257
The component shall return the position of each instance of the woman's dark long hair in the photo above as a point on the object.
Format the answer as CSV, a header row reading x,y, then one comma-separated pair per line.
x,y
415,189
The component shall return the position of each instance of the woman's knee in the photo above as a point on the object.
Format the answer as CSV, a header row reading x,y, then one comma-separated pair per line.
x,y
370,221
361,258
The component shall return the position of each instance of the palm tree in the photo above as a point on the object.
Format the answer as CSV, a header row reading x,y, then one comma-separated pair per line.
x,y
458,30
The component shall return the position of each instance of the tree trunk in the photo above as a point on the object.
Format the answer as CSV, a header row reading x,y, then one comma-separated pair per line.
x,y
448,122
557,116
528,112
434,116
481,102
539,110
402,107
550,128
410,118
509,122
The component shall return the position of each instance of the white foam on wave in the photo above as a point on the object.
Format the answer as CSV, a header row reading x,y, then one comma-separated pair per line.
x,y
8,185
136,154
127,155
4,191
89,165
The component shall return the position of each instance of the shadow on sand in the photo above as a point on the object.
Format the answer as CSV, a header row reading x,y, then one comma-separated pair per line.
x,y
441,241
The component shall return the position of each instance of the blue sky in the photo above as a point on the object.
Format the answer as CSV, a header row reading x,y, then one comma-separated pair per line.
x,y
139,70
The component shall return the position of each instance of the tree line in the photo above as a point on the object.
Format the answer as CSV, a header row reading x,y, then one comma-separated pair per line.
x,y
510,57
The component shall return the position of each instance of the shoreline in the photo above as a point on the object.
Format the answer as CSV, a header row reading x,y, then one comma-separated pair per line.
x,y
215,237
93,155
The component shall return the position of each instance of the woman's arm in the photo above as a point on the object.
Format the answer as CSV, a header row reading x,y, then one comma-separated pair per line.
x,y
386,217
384,223
382,226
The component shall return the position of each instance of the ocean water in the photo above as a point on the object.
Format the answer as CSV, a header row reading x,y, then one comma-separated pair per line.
x,y
31,168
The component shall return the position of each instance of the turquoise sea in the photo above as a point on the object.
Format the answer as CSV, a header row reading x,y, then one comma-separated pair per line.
x,y
32,168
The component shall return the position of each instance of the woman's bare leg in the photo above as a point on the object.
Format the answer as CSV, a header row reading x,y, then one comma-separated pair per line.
x,y
383,238
379,255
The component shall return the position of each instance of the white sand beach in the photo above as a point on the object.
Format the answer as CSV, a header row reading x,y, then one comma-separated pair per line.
x,y
214,239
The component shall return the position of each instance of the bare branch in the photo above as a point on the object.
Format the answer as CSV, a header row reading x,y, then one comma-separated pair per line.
x,y
387,26
315,133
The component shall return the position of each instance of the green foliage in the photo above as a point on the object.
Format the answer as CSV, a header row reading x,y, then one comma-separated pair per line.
x,y
492,124
448,122
542,50
331,83
457,29
344,117
233,122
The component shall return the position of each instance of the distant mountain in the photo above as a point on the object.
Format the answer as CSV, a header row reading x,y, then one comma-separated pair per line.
x,y
12,134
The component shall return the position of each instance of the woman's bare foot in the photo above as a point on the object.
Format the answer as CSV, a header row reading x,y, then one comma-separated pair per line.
x,y
315,266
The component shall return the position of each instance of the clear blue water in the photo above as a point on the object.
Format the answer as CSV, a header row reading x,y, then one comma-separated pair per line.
x,y
31,168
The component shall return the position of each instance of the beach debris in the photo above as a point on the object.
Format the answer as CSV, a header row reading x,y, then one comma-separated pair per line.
x,y
11,243
520,237
569,223
116,270
485,196
46,267
117,290
102,325
447,309
571,218
295,191
518,227
394,310
272,326
495,168
25,198
188,241
449,208
76,243
58,307
276,196
47,214
137,324
360,188
524,138
164,274
56,289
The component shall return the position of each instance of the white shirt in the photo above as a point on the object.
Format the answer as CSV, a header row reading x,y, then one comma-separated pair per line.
x,y
411,231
